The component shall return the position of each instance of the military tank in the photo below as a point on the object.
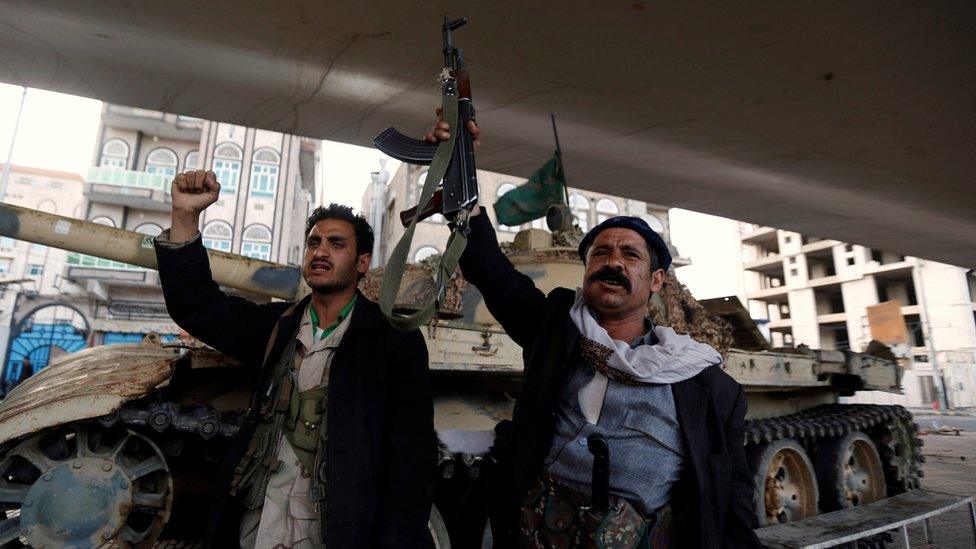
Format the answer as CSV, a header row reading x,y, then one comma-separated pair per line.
x,y
119,445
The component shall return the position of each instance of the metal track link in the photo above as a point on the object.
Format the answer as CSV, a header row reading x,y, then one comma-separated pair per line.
x,y
891,428
202,420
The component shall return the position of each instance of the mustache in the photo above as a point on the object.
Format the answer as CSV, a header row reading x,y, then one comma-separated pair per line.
x,y
607,274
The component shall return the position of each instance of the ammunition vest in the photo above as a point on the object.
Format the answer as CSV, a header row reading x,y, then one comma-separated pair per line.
x,y
298,415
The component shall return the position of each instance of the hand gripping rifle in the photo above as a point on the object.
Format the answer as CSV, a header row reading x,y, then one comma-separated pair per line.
x,y
451,161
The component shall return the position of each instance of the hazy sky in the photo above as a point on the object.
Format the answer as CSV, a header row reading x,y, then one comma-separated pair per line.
x,y
58,132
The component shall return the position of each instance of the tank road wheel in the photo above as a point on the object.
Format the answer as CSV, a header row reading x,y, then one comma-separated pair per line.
x,y
81,486
849,471
439,538
786,486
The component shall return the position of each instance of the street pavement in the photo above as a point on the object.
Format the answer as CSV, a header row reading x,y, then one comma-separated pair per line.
x,y
950,467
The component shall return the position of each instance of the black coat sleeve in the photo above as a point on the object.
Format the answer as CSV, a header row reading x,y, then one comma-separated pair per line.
x,y
511,296
739,514
232,325
411,449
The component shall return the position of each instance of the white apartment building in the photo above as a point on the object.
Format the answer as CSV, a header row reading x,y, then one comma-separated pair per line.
x,y
816,292
403,191
33,269
268,180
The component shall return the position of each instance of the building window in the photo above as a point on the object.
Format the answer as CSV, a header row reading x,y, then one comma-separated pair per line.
x,y
424,252
257,242
655,223
115,154
227,166
192,160
37,248
162,161
215,244
150,229
217,235
792,261
793,272
264,172
264,179
5,265
7,243
55,184
35,270
539,223
256,250
605,209
103,220
421,179
581,210
850,261
787,239
502,189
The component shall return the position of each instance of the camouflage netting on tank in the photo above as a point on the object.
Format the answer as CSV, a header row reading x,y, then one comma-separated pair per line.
x,y
417,286
678,309
568,239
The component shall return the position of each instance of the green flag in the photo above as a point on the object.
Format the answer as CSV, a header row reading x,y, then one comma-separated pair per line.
x,y
530,201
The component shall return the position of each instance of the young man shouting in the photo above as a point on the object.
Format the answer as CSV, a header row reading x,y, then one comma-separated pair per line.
x,y
338,445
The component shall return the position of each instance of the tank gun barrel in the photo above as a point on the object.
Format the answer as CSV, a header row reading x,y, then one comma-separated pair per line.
x,y
230,270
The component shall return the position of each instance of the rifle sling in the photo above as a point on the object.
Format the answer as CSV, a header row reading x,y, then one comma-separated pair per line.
x,y
393,272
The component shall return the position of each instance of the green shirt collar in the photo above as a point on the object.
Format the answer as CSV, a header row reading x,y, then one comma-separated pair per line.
x,y
322,333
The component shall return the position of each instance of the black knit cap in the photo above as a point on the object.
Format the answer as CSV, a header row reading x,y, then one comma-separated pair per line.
x,y
654,241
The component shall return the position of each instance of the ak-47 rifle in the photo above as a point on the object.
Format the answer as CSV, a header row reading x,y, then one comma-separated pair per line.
x,y
460,185
452,166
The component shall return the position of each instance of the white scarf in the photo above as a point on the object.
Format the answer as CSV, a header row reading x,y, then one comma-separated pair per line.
x,y
674,358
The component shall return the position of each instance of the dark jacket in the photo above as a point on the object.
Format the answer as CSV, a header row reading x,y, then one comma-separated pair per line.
x,y
382,446
712,501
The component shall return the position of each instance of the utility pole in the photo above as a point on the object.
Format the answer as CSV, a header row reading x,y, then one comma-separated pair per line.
x,y
10,152
378,207
933,357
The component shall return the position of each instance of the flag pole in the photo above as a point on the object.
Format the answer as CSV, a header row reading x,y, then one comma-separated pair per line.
x,y
559,157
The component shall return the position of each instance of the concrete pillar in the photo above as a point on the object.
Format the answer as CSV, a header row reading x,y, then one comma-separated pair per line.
x,y
803,312
858,296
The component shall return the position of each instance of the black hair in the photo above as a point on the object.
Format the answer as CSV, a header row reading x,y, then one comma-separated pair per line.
x,y
361,228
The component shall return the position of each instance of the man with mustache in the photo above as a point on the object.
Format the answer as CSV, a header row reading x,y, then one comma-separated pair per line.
x,y
594,365
338,444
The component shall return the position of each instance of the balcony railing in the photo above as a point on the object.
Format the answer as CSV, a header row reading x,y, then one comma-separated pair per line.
x,y
129,179
90,261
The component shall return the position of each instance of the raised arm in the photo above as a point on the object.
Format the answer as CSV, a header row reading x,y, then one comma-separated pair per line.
x,y
511,296
230,324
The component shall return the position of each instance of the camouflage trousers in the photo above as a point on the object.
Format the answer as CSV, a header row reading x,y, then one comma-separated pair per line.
x,y
556,516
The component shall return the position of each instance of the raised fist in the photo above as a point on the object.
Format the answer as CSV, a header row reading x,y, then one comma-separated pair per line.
x,y
194,191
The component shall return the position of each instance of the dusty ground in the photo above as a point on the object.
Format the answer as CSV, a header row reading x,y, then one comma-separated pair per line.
x,y
950,467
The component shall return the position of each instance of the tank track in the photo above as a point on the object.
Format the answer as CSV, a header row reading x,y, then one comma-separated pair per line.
x,y
891,428
201,420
